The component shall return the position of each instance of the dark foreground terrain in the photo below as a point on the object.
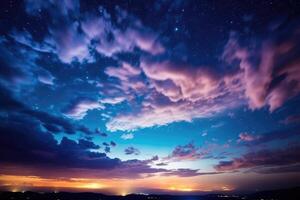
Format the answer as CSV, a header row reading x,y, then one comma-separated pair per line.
x,y
285,194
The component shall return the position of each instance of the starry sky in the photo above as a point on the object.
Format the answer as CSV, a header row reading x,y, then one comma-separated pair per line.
x,y
149,96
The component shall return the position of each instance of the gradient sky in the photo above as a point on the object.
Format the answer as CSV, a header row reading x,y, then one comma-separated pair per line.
x,y
149,96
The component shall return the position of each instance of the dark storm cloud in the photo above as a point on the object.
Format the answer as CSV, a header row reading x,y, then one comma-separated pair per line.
x,y
23,142
266,158
87,144
28,146
11,105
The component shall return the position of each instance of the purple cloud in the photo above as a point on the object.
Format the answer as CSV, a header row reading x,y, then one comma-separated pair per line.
x,y
268,83
246,137
79,108
291,119
174,95
181,92
186,152
73,40
278,157
251,140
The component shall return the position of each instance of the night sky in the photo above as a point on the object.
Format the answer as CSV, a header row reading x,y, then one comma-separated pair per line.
x,y
149,96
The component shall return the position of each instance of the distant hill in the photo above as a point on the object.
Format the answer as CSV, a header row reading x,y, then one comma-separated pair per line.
x,y
284,194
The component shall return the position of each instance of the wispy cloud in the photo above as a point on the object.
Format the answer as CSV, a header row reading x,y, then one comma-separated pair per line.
x,y
79,108
278,157
127,136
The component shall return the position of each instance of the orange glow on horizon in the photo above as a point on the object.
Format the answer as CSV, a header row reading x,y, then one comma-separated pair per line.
x,y
114,186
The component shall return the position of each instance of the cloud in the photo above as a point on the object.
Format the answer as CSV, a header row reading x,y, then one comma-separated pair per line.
x,y
25,38
280,169
107,149
113,144
167,90
33,7
105,144
65,38
176,93
51,123
204,133
124,72
102,28
70,43
127,136
87,144
74,35
246,137
113,101
44,148
186,152
19,66
78,109
182,82
182,92
158,111
188,173
97,131
183,173
291,119
34,149
46,77
130,80
275,78
269,158
218,125
282,134
132,151
161,164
